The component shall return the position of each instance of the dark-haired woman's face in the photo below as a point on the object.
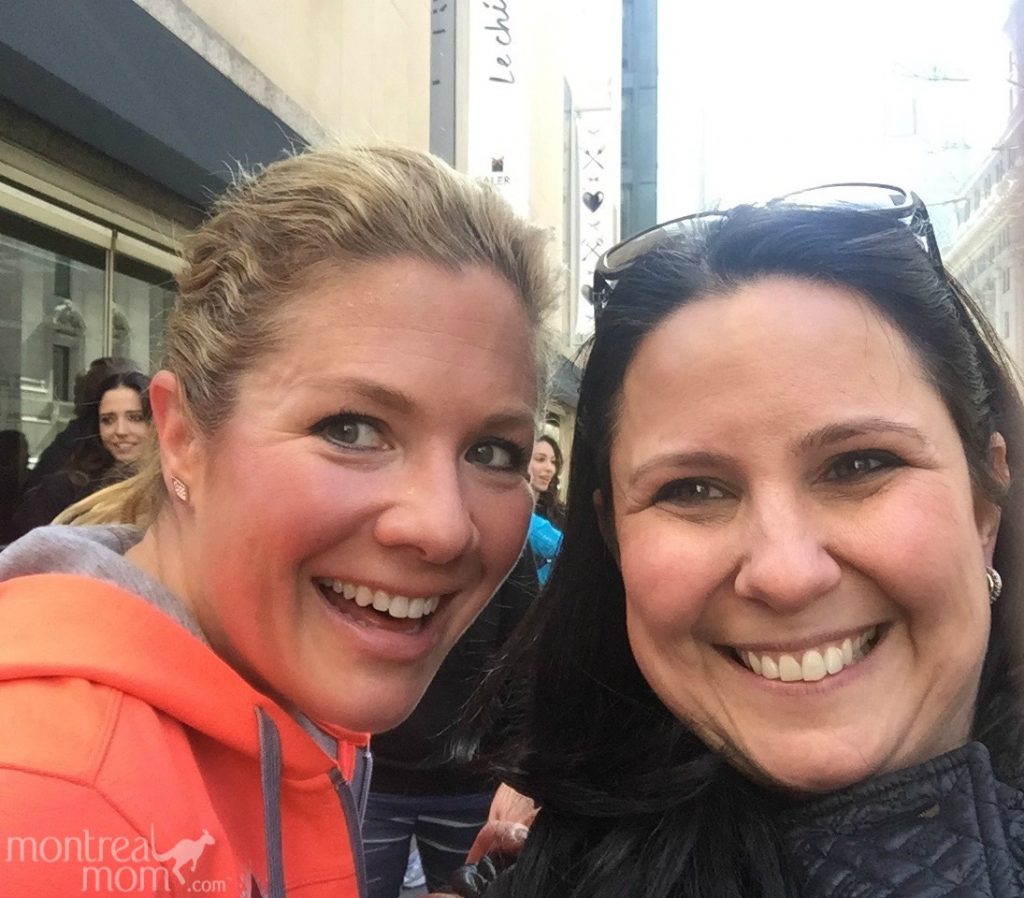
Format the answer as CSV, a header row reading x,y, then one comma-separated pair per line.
x,y
123,425
802,552
543,465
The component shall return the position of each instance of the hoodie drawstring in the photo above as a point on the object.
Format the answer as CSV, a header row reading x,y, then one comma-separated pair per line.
x,y
270,783
353,819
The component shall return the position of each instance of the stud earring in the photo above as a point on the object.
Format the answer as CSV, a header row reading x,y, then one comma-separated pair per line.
x,y
995,583
180,490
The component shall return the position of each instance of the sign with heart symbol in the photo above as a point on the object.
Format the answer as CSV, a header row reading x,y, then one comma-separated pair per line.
x,y
593,200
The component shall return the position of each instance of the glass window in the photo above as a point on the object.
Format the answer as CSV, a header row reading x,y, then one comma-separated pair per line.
x,y
143,298
52,324
62,373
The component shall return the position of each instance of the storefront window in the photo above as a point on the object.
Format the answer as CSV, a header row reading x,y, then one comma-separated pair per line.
x,y
143,298
52,324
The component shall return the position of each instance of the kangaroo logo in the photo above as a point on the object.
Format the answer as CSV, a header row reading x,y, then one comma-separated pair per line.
x,y
186,851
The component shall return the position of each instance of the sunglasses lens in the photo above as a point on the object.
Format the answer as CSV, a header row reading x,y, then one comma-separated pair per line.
x,y
901,205
627,251
621,255
861,196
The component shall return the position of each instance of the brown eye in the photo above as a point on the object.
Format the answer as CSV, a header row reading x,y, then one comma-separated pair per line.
x,y
690,491
856,465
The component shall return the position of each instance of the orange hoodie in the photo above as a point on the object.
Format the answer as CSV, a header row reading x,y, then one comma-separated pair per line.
x,y
134,761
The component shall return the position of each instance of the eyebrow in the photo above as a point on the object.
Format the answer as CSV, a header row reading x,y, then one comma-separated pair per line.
x,y
845,430
400,402
682,459
377,393
828,435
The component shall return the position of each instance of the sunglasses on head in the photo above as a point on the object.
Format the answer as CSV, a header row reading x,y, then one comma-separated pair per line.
x,y
904,206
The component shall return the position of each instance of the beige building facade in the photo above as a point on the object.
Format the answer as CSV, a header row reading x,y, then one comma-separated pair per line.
x,y
987,252
355,70
120,120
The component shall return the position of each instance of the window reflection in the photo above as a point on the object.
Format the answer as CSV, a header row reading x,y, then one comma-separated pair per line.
x,y
51,324
143,298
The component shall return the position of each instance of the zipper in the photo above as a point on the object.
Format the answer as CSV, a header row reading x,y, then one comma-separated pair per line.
x,y
353,821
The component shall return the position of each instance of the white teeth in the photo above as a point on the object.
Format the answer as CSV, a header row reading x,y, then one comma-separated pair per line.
x,y
814,664
834,659
399,607
789,669
395,606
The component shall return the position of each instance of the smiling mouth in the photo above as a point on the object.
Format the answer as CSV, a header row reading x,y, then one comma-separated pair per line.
x,y
351,596
813,664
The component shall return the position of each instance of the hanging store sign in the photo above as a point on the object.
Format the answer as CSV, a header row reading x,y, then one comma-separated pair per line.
x,y
498,113
596,207
442,79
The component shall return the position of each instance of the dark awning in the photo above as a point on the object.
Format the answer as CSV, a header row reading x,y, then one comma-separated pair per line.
x,y
109,74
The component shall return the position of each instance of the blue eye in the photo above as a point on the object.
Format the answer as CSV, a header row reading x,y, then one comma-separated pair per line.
x,y
352,432
497,454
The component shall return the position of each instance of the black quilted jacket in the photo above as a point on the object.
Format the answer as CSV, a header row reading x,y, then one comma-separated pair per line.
x,y
945,829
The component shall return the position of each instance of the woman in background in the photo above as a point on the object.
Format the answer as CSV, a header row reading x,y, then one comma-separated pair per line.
x,y
419,789
545,536
545,470
116,431
54,456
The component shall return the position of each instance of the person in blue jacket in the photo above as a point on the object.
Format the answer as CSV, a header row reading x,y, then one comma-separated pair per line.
x,y
545,537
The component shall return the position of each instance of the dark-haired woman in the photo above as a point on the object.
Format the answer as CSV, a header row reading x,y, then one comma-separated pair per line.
x,y
545,536
781,652
117,427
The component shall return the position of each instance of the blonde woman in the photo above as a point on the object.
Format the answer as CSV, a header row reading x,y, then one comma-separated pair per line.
x,y
344,418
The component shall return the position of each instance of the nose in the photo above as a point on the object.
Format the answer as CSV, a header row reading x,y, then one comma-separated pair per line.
x,y
429,513
120,425
787,563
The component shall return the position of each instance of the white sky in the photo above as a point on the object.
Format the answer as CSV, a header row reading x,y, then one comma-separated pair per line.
x,y
774,95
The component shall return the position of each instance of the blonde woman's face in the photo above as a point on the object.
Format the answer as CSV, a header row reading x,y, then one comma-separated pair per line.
x,y
369,493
